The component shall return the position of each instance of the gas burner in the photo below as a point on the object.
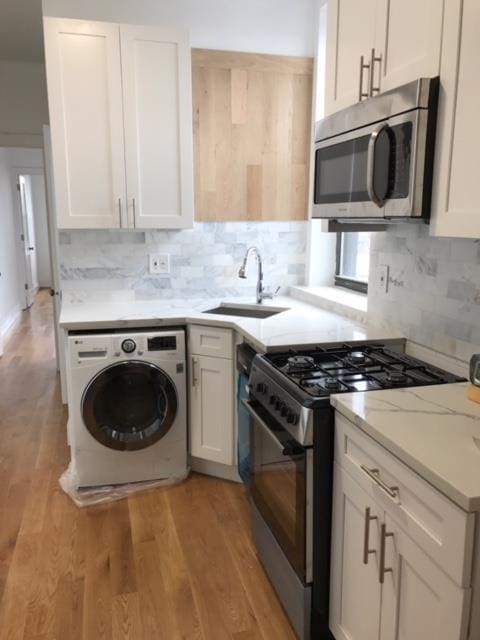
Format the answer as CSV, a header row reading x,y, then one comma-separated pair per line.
x,y
396,377
303,363
357,357
331,384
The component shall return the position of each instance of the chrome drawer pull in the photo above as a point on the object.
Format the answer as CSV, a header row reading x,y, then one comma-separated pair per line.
x,y
383,542
373,475
366,536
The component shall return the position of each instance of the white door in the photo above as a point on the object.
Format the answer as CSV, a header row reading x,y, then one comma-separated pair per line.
x,y
157,95
408,41
86,119
211,409
418,599
350,34
27,241
355,591
456,175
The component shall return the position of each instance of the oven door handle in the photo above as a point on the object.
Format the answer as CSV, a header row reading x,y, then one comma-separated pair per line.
x,y
372,147
291,449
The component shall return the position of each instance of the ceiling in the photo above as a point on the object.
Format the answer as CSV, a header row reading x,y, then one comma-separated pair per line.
x,y
21,36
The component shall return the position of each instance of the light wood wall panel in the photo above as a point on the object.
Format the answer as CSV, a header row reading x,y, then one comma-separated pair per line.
x,y
252,135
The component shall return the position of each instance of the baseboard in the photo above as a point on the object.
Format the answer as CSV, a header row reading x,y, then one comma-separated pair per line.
x,y
7,327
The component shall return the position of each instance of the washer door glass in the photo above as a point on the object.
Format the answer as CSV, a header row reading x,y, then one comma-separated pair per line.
x,y
129,405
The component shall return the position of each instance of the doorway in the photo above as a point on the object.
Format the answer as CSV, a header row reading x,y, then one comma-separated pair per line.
x,y
34,243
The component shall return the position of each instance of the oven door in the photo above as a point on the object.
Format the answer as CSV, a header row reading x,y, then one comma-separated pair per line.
x,y
368,173
281,487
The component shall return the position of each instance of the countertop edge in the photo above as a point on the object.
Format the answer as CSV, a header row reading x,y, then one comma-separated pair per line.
x,y
463,502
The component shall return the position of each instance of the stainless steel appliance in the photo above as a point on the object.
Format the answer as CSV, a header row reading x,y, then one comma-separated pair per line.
x,y
374,160
291,441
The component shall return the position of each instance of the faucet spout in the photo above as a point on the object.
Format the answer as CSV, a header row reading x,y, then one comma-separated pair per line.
x,y
242,273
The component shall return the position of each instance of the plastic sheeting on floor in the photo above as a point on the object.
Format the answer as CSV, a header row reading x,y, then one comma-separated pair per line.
x,y
91,496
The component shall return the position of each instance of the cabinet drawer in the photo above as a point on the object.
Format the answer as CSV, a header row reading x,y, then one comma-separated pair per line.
x,y
211,341
435,523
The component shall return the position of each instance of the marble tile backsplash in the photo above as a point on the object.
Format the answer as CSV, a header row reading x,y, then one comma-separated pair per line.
x,y
204,261
434,288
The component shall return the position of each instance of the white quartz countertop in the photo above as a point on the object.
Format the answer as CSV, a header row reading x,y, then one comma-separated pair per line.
x,y
434,430
301,324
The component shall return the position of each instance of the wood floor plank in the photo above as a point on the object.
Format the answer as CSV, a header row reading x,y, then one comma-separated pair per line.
x,y
176,563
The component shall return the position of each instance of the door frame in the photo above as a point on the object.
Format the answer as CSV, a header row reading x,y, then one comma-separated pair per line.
x,y
53,241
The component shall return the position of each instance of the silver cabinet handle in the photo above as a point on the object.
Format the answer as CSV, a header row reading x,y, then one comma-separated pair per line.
x,y
373,60
194,372
134,207
120,210
373,475
384,534
372,194
366,535
363,66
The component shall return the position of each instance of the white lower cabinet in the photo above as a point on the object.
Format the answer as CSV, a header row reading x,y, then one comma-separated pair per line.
x,y
211,407
355,589
384,586
418,599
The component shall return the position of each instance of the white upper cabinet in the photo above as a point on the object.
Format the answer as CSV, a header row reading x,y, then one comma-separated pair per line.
x,y
121,121
399,40
407,41
86,120
157,98
455,208
350,35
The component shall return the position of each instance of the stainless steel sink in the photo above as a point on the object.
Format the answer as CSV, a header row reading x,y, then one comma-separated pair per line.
x,y
245,310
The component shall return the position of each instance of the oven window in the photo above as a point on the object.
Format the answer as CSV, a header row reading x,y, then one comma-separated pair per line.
x,y
278,486
341,172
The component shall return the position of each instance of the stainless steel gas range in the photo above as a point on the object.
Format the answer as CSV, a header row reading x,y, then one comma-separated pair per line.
x,y
291,442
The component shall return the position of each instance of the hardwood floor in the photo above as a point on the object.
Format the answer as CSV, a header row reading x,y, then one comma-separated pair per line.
x,y
169,564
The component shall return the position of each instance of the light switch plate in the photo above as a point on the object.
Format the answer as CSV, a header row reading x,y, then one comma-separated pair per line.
x,y
159,264
383,273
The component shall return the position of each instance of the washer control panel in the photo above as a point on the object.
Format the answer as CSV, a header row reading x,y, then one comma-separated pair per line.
x,y
85,348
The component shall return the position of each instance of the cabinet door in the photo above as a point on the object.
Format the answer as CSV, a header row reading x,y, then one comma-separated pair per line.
x,y
418,599
350,34
157,93
355,592
211,409
408,40
86,120
455,186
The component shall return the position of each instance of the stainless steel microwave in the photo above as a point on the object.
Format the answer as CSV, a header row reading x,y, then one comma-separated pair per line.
x,y
374,160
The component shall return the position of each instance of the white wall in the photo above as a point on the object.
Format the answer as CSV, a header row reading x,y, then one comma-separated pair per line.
x,y
23,104
265,26
11,300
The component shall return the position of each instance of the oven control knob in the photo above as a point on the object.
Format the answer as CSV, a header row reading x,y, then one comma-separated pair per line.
x,y
284,411
128,345
292,417
262,388
278,405
273,399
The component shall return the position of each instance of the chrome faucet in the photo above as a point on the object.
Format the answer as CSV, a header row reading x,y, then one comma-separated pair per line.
x,y
242,273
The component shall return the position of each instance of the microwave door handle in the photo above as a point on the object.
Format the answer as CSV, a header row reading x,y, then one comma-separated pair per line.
x,y
372,144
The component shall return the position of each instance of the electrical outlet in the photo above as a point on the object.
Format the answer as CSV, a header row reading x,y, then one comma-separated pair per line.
x,y
383,274
159,264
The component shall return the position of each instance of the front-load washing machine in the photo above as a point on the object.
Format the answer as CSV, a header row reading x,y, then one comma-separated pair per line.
x,y
127,405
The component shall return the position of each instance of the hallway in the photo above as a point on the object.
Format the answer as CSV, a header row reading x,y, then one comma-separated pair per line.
x,y
169,564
